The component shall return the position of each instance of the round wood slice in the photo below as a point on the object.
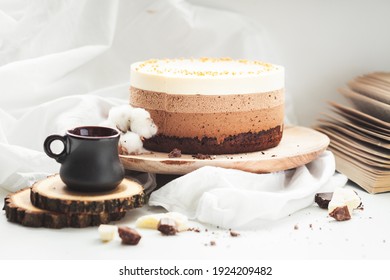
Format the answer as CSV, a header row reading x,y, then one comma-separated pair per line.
x,y
53,195
19,209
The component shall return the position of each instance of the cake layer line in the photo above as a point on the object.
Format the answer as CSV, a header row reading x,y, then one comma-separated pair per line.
x,y
151,100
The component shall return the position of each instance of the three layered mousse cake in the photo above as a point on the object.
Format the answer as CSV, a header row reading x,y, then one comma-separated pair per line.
x,y
210,106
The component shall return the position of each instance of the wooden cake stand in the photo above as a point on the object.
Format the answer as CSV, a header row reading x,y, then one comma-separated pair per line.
x,y
49,203
299,146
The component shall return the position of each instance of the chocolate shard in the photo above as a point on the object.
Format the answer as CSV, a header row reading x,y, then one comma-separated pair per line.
x,y
323,199
175,153
340,213
201,156
234,233
360,206
128,235
167,226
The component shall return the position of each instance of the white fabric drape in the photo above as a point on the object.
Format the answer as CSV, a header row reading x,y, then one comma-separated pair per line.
x,y
237,199
65,63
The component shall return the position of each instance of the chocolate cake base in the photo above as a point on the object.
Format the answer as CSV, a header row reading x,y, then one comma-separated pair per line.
x,y
235,144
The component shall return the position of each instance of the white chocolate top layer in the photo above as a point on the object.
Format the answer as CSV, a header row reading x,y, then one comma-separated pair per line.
x,y
206,76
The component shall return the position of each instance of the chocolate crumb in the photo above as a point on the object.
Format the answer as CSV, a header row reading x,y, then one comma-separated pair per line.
x,y
262,153
234,234
193,229
311,226
212,243
273,156
296,227
341,213
206,230
201,156
175,153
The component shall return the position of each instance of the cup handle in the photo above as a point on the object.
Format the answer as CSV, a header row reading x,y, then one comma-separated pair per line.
x,y
46,146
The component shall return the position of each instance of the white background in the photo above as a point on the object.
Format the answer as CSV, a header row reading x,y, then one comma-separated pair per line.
x,y
87,46
322,44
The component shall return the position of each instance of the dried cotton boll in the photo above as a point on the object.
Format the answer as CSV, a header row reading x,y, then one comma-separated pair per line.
x,y
130,143
120,116
141,123
145,128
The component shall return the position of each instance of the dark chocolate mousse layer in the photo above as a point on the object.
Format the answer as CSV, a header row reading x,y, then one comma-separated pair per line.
x,y
240,143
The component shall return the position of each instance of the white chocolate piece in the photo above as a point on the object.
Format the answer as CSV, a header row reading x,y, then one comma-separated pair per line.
x,y
107,232
151,221
344,197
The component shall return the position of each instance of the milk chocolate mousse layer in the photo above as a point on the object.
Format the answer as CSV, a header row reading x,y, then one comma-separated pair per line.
x,y
213,124
210,106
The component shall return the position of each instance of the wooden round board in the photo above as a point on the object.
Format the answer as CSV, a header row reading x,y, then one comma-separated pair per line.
x,y
299,145
53,195
19,209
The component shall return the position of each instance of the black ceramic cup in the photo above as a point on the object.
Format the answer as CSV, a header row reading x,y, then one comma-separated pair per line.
x,y
89,160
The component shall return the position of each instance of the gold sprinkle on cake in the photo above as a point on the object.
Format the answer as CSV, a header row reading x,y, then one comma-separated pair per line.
x,y
205,67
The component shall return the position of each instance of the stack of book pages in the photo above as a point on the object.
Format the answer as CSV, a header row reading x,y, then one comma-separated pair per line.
x,y
360,132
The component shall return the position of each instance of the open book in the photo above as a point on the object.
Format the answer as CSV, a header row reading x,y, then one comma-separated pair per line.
x,y
360,133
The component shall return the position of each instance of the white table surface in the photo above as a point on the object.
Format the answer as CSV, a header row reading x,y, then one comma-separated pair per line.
x,y
365,236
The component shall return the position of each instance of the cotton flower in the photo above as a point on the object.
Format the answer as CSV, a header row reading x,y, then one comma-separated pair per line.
x,y
141,123
135,125
130,143
120,116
